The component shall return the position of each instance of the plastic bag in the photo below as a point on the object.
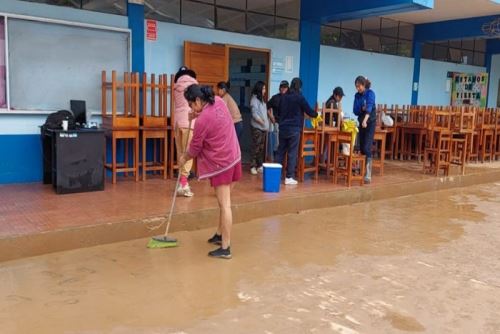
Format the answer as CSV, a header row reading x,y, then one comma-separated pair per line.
x,y
387,120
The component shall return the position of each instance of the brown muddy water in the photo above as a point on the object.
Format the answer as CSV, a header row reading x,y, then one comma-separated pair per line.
x,y
422,264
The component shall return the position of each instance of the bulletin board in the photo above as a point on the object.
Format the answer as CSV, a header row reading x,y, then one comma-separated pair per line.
x,y
469,89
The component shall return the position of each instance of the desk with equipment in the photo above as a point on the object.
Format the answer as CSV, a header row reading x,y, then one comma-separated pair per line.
x,y
73,157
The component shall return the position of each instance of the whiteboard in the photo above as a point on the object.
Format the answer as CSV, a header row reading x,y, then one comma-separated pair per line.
x,y
51,64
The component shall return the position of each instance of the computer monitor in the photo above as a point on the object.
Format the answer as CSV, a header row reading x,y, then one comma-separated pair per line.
x,y
79,110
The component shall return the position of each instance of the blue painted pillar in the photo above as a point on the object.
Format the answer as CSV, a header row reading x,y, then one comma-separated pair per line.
x,y
310,38
417,52
136,25
489,57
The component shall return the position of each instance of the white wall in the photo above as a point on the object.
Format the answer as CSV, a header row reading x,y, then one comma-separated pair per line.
x,y
166,54
391,76
494,81
433,76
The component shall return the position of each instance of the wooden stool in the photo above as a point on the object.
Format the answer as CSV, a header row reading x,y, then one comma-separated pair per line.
x,y
123,126
344,164
115,136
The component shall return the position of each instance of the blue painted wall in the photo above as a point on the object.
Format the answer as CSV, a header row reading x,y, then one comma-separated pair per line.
x,y
391,76
166,54
433,75
21,158
494,81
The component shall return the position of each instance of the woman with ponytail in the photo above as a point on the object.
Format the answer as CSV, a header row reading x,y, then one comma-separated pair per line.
x,y
364,108
217,150
223,92
184,78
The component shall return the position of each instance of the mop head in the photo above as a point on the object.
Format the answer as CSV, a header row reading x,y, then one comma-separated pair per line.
x,y
162,242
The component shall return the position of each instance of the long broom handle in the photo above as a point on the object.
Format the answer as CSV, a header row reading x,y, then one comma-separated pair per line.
x,y
177,183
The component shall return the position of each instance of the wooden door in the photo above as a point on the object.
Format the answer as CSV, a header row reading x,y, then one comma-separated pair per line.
x,y
209,61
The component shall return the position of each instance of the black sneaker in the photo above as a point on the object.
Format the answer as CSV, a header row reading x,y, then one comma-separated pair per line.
x,y
216,239
221,253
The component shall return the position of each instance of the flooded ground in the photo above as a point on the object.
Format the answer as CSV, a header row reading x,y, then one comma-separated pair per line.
x,y
427,263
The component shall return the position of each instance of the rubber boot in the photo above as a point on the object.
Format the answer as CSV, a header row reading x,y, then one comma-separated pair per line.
x,y
368,175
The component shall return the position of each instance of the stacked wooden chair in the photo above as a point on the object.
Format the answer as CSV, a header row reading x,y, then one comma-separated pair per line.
x,y
121,122
437,153
154,124
329,131
487,137
413,132
463,120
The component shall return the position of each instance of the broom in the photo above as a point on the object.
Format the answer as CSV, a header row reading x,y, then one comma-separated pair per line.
x,y
164,241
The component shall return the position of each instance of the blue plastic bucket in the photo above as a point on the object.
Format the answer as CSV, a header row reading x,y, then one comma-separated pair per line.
x,y
272,178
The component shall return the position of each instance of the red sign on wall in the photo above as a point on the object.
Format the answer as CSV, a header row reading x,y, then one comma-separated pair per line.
x,y
151,30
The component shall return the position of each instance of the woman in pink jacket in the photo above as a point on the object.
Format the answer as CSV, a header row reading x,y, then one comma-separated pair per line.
x,y
216,147
183,79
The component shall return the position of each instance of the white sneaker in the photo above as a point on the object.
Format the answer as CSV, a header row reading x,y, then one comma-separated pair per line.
x,y
184,191
290,181
253,171
260,170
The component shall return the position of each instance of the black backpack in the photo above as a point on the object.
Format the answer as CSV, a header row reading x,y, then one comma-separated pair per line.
x,y
54,120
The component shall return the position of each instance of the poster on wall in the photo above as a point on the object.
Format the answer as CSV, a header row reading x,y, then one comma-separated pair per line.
x,y
3,78
469,89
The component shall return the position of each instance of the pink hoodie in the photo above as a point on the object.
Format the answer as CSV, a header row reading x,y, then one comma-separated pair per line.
x,y
181,105
214,142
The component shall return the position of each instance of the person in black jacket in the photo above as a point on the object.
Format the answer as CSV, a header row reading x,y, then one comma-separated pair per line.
x,y
292,108
274,103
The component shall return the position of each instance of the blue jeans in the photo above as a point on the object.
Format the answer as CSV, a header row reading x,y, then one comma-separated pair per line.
x,y
239,130
366,136
289,144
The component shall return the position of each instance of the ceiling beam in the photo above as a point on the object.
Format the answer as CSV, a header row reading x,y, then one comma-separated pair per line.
x,y
453,29
337,10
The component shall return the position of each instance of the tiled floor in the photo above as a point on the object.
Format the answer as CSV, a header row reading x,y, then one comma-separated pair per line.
x,y
35,208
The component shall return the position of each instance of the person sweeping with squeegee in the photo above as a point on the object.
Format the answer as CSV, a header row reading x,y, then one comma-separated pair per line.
x,y
216,147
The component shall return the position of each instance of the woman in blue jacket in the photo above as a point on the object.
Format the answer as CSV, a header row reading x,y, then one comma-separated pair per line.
x,y
364,108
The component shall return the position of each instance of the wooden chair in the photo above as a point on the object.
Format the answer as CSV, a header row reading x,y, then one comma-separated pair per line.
x,y
154,124
462,127
487,141
351,166
309,149
329,130
401,119
437,154
379,144
475,144
413,133
496,152
391,131
121,126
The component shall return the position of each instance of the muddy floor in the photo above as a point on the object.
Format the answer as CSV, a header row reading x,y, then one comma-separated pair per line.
x,y
428,263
